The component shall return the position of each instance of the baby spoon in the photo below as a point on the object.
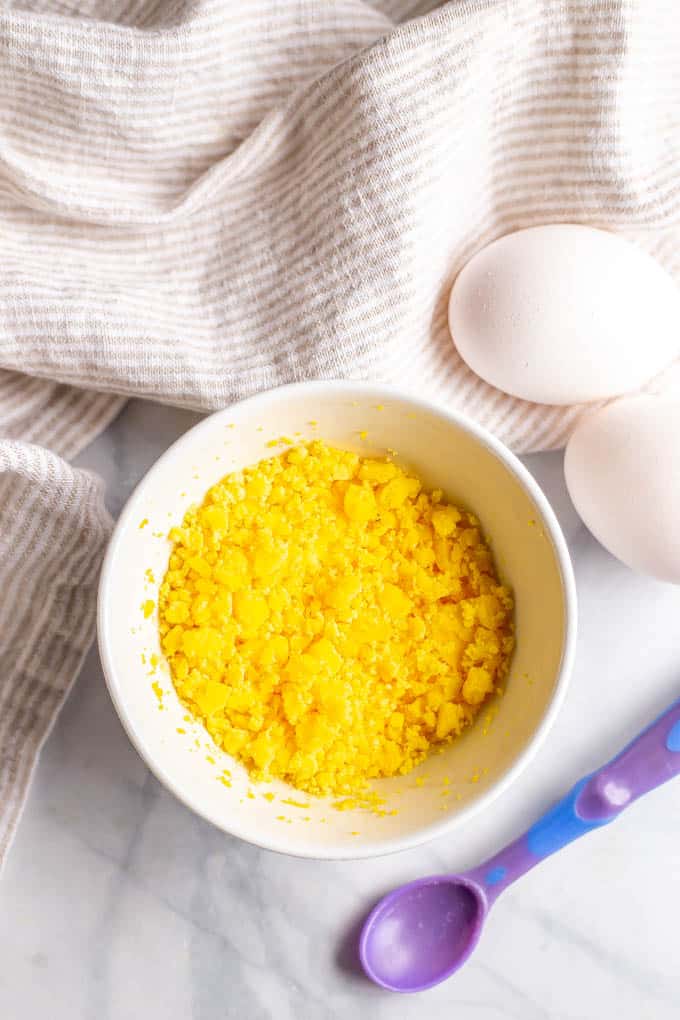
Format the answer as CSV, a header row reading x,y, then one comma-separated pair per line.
x,y
423,932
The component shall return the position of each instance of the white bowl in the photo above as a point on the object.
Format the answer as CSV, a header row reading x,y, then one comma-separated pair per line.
x,y
448,451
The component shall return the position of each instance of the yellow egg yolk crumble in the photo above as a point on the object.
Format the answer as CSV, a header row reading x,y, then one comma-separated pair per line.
x,y
331,622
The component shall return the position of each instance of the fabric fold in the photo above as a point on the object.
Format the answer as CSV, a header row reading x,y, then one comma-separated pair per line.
x,y
53,531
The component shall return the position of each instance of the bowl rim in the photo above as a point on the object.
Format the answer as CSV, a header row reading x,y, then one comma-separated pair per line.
x,y
393,844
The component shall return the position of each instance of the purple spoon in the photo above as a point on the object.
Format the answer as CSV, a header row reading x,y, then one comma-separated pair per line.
x,y
421,933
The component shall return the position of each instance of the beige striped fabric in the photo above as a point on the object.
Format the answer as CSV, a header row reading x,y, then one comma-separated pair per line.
x,y
200,199
53,530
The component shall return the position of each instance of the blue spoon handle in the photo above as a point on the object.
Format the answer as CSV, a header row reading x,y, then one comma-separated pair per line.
x,y
650,759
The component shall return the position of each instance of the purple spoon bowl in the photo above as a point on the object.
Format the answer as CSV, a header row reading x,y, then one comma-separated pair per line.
x,y
423,932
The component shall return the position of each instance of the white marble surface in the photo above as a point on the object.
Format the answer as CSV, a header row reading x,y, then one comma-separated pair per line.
x,y
118,904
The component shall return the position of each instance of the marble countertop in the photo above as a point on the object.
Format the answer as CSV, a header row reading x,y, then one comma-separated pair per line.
x,y
118,904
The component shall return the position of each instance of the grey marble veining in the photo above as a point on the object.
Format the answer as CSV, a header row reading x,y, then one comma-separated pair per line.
x,y
118,904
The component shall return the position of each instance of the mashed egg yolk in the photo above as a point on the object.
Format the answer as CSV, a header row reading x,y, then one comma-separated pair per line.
x,y
329,621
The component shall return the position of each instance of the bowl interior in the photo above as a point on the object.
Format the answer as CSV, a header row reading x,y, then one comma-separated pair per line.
x,y
475,473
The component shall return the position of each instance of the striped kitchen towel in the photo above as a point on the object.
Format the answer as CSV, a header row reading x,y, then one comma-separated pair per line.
x,y
199,199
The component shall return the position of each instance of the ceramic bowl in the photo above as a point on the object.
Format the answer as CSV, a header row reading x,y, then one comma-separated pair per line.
x,y
447,451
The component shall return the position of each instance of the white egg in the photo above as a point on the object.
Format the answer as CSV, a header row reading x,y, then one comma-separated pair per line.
x,y
563,314
622,467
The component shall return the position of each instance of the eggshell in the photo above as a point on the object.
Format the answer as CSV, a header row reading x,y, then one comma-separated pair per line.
x,y
622,467
563,314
